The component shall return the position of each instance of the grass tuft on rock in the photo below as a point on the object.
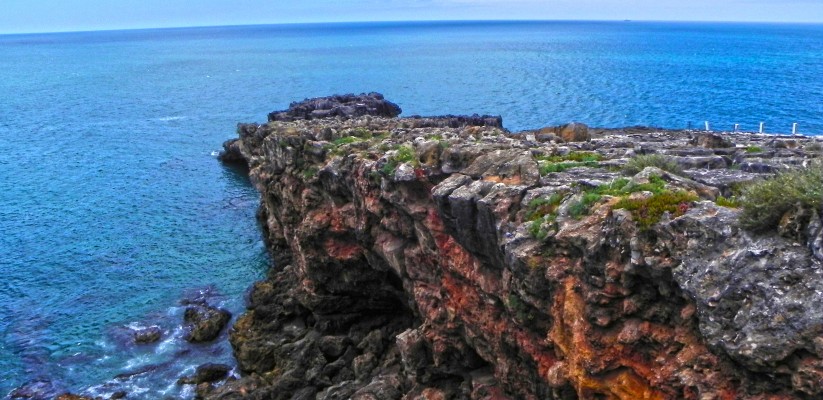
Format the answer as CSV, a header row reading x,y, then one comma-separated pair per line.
x,y
574,159
639,163
765,202
648,211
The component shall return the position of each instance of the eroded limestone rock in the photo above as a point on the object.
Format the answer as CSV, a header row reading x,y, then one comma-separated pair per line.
x,y
410,265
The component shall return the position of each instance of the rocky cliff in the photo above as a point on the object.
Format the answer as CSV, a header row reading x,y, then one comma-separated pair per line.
x,y
441,258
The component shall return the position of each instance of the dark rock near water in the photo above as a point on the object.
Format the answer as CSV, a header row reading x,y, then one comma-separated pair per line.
x,y
39,389
69,396
203,322
344,106
147,335
207,373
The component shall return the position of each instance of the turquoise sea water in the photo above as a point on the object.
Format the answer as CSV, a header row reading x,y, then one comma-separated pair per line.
x,y
113,207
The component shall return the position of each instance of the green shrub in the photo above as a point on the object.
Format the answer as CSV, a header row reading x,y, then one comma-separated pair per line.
x,y
754,149
577,156
731,202
543,210
310,172
345,140
580,208
647,211
389,167
404,154
361,133
547,168
639,163
542,206
574,159
765,202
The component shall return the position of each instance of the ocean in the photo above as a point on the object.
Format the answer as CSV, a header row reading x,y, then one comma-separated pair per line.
x,y
113,206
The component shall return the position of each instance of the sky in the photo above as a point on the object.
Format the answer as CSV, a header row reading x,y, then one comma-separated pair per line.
x,y
24,16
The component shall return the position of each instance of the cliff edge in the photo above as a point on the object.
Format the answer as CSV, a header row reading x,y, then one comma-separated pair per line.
x,y
444,257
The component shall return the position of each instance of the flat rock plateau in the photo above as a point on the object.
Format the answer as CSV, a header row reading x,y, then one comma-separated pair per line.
x,y
448,258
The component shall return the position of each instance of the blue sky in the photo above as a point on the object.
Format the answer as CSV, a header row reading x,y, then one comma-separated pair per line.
x,y
71,15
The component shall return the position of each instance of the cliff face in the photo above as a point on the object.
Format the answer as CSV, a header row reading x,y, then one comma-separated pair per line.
x,y
435,258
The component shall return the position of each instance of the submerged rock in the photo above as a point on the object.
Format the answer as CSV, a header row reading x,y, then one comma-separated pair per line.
x,y
39,389
449,258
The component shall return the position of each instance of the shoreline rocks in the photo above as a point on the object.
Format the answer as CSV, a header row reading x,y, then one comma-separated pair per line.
x,y
449,258
203,323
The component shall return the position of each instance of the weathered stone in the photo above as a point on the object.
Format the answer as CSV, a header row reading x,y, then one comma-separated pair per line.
x,y
36,389
711,140
203,323
466,273
147,335
208,373
346,106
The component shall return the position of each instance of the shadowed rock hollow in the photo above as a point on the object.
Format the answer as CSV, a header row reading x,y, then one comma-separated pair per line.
x,y
436,258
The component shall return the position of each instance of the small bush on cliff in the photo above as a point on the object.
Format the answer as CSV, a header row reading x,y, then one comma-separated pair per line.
x,y
754,149
543,211
582,207
404,154
639,163
765,202
731,202
647,211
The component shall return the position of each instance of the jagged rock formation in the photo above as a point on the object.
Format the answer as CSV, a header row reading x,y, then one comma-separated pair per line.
x,y
345,106
447,258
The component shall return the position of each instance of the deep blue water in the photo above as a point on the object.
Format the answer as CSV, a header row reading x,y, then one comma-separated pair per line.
x,y
113,207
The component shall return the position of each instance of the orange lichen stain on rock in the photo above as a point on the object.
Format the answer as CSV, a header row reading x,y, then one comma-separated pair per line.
x,y
341,250
571,334
507,180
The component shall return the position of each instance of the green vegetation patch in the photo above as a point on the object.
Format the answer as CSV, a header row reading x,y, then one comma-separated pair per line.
x,y
404,154
731,202
574,159
345,140
543,211
753,149
309,173
765,202
620,187
639,163
647,211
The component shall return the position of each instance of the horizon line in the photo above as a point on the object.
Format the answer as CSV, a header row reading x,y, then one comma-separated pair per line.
x,y
405,21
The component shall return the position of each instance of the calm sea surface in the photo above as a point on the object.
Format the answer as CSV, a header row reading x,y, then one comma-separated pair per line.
x,y
113,207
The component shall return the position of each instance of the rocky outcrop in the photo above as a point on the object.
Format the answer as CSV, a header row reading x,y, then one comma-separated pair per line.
x,y
427,259
345,106
203,322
